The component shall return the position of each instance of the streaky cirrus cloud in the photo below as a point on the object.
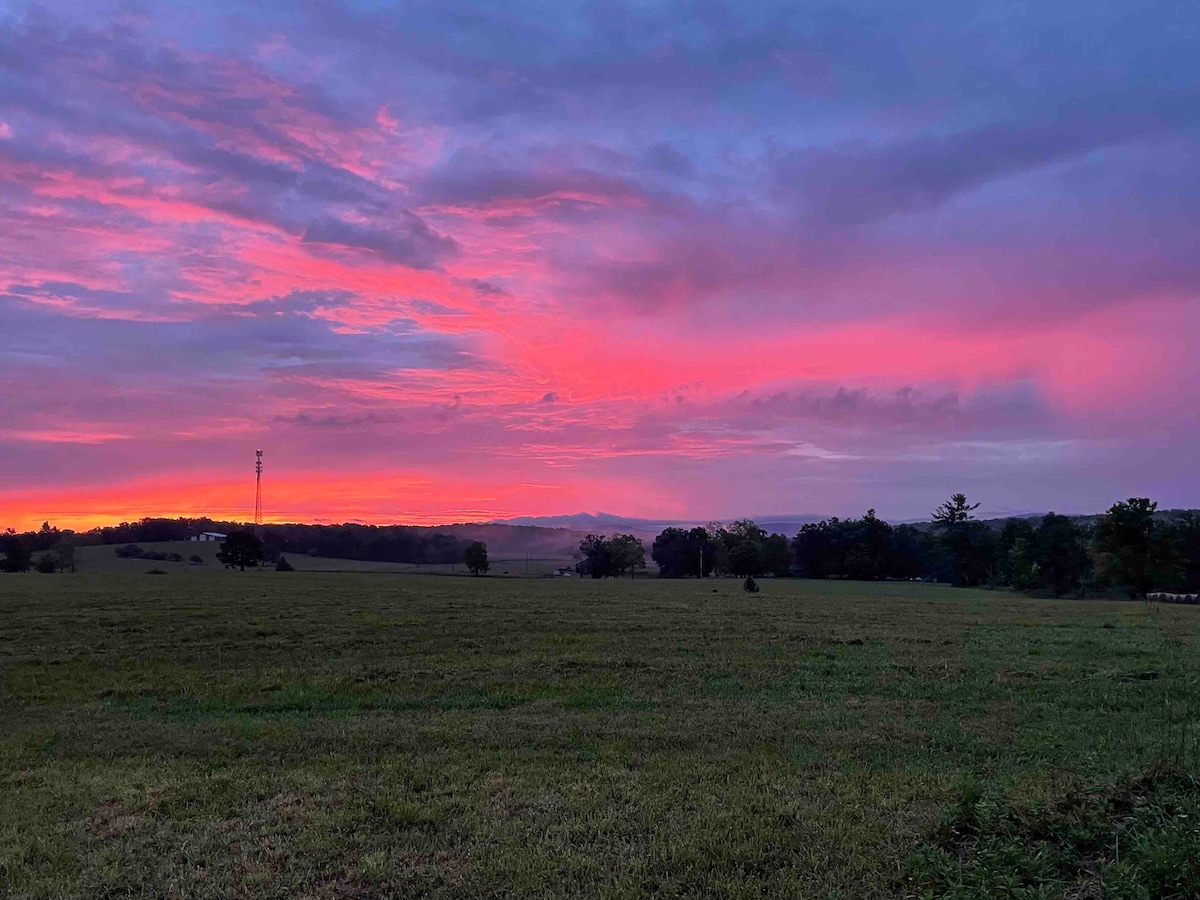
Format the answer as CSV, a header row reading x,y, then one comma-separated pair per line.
x,y
445,261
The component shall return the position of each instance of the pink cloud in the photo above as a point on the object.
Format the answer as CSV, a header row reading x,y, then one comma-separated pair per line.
x,y
265,244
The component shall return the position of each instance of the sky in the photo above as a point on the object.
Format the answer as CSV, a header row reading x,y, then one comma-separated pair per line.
x,y
448,261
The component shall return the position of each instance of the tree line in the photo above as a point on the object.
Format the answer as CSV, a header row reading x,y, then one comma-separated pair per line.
x,y
369,543
57,549
1131,549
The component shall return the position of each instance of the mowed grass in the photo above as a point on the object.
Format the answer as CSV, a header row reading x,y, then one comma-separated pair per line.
x,y
358,735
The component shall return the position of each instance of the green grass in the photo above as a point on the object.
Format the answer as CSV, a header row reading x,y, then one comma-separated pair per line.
x,y
310,735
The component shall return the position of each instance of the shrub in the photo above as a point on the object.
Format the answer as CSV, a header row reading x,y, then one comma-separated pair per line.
x,y
750,586
196,560
16,555
46,564
476,558
129,551
155,572
240,549
175,557
63,554
284,566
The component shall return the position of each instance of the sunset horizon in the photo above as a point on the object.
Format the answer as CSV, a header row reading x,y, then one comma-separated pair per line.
x,y
599,448
679,263
225,502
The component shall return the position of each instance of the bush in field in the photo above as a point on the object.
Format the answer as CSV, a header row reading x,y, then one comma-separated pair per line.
x,y
282,565
46,564
129,551
64,556
476,558
240,549
17,557
196,560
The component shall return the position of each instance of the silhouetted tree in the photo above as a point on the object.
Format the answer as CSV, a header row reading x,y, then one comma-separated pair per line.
x,y
865,548
17,557
953,518
680,552
45,538
1013,531
63,554
1131,548
596,555
777,555
626,554
476,557
746,559
282,565
909,553
1183,535
868,550
1021,566
670,553
716,544
743,530
954,511
1061,555
813,548
240,549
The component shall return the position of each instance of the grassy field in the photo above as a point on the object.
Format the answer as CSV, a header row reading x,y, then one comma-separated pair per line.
x,y
100,558
359,735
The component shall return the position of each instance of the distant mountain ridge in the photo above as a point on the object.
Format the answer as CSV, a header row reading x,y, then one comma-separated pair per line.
x,y
608,523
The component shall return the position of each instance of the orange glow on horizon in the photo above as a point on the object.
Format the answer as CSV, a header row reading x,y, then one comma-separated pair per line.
x,y
388,499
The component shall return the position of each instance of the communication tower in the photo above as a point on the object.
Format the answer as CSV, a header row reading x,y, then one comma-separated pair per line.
x,y
258,493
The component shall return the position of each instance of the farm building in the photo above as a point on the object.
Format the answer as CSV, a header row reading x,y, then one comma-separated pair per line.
x,y
208,536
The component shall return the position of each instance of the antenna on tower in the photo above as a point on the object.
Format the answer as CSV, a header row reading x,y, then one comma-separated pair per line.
x,y
258,494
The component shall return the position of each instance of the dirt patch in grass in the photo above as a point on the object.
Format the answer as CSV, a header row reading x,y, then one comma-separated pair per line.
x,y
998,725
337,886
115,818
439,867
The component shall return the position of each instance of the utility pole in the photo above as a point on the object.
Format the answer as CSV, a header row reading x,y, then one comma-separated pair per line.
x,y
258,494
